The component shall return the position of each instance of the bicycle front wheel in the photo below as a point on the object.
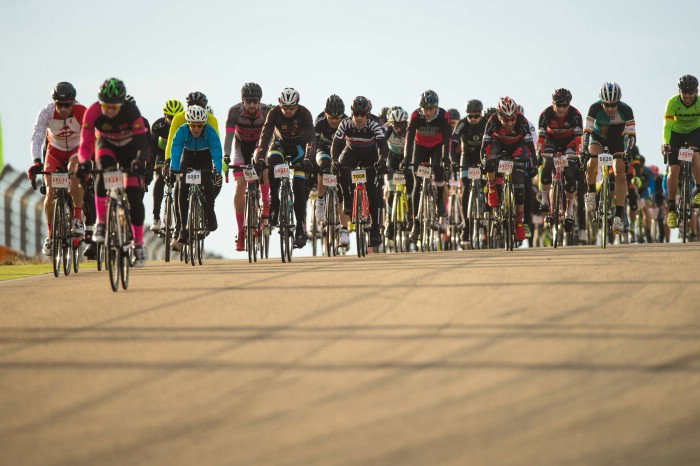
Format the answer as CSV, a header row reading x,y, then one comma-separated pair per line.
x,y
112,245
509,215
605,203
168,226
359,230
683,204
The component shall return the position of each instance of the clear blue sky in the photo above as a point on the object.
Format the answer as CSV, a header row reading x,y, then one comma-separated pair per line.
x,y
389,51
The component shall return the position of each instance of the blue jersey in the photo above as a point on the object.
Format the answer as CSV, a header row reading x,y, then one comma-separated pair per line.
x,y
620,124
208,140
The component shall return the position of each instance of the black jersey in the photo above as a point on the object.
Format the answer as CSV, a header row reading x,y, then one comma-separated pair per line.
x,y
468,137
324,132
370,137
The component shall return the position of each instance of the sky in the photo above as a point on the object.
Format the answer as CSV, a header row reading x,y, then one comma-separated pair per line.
x,y
388,51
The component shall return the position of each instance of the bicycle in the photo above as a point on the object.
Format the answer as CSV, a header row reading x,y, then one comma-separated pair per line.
x,y
476,219
684,208
455,218
119,241
557,207
166,232
286,210
253,224
427,208
314,234
65,247
196,227
330,230
505,212
603,213
361,217
399,218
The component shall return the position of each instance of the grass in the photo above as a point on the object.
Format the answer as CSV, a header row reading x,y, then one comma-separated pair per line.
x,y
14,268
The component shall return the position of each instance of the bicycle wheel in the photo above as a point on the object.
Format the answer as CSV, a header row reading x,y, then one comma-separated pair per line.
x,y
127,254
99,254
75,251
201,233
56,233
314,230
66,238
248,226
357,219
331,222
556,211
509,215
283,221
168,226
266,239
192,229
112,247
605,203
683,203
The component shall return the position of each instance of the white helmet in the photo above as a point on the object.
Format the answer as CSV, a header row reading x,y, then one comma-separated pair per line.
x,y
397,115
209,109
289,96
610,93
196,114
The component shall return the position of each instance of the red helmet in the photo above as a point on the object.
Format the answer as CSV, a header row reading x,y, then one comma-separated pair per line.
x,y
507,107
654,169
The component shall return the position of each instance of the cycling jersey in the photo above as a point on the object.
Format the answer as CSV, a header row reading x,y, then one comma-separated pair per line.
x,y
63,135
297,130
324,133
208,140
605,127
126,127
680,119
367,139
496,134
179,120
468,137
396,143
429,133
561,130
159,138
245,128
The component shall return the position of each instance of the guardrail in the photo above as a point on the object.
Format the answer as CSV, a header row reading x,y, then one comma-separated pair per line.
x,y
23,227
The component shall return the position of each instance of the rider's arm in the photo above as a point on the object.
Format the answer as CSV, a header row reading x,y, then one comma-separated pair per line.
x,y
669,119
267,131
588,129
410,137
233,115
338,140
381,140
578,127
87,133
215,148
446,137
177,146
456,143
542,129
309,133
39,132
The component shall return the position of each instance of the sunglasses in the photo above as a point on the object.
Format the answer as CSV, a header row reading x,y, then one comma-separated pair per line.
x,y
196,125
561,105
333,117
360,115
64,104
473,116
607,105
289,108
694,91
249,100
507,119
111,106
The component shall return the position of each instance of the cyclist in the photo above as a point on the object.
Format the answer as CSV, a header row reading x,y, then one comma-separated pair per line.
x,y
159,140
428,140
509,131
360,140
466,149
326,125
115,130
243,127
454,117
196,145
608,122
193,98
59,124
397,124
681,128
560,130
288,135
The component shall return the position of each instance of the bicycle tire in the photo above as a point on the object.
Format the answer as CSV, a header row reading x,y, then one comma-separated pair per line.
x,y
248,225
556,210
66,238
357,220
99,254
55,240
128,255
201,232
507,215
605,202
168,226
682,209
112,246
314,229
75,251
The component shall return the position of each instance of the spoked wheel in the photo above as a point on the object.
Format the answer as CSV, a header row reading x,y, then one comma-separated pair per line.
x,y
66,253
99,254
75,250
265,249
201,233
112,249
124,265
556,220
56,234
168,233
509,217
192,230
359,228
314,230
682,210
605,205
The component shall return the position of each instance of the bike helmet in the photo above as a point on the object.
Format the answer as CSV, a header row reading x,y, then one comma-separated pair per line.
x,y
361,105
687,83
561,96
397,115
334,106
172,107
288,96
429,99
63,92
474,106
490,111
507,107
209,109
521,109
196,98
251,90
610,93
654,170
384,113
454,114
130,99
195,114
112,91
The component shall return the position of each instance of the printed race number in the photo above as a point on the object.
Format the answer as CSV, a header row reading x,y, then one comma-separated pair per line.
x,y
474,173
113,180
193,177
423,172
605,160
60,180
359,176
561,162
329,180
505,167
685,155
249,174
281,170
399,179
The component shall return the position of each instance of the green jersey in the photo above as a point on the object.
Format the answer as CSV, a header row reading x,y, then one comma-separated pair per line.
x,y
679,118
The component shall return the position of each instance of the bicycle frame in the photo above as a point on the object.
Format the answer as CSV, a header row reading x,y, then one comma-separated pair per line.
x,y
360,210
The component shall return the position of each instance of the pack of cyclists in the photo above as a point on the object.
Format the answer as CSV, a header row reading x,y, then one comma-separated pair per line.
x,y
70,137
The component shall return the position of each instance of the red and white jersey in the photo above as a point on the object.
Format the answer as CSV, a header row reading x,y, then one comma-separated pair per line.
x,y
62,134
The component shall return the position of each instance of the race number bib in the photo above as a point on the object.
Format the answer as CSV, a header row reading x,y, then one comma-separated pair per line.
x,y
605,160
113,180
505,167
359,176
399,179
423,172
193,177
685,155
474,173
329,180
281,171
561,162
454,183
60,180
249,174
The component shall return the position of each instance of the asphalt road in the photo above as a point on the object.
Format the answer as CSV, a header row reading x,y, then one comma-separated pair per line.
x,y
536,357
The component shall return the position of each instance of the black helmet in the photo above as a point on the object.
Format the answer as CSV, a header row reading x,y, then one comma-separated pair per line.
x,y
490,111
687,83
474,106
334,106
454,114
384,113
251,90
196,98
130,99
112,91
63,92
361,105
561,96
429,99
